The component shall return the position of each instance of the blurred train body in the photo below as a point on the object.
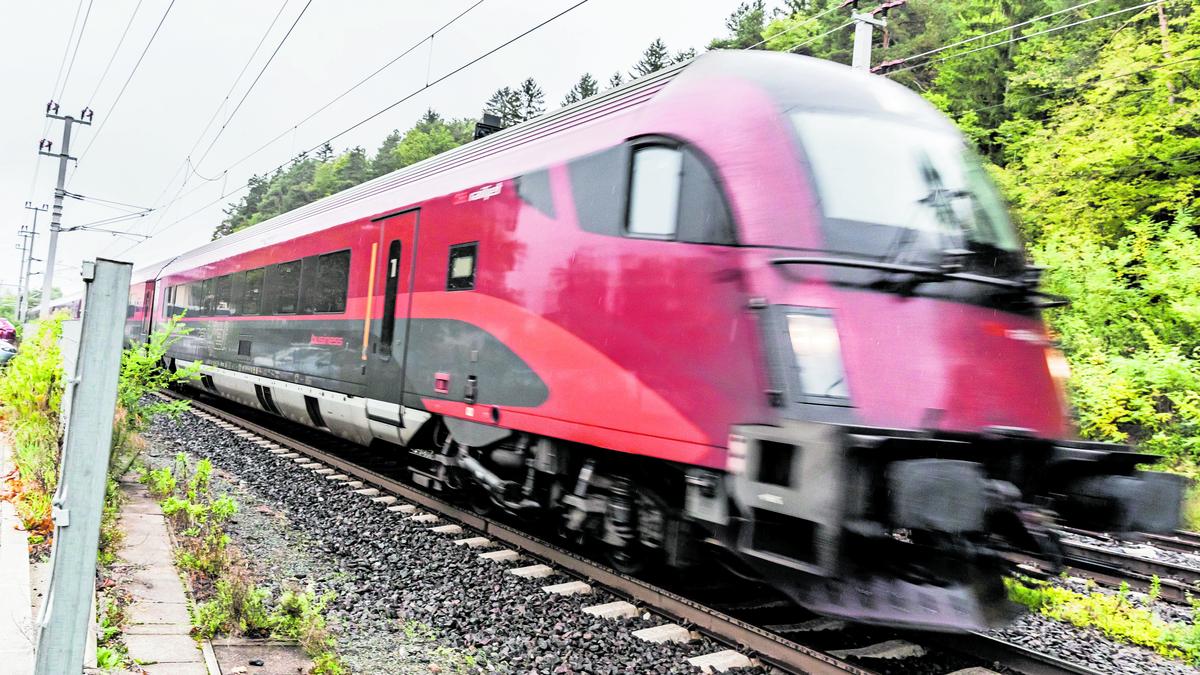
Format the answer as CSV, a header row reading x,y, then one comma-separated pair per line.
x,y
758,302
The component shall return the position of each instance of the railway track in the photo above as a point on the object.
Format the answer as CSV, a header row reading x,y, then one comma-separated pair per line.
x,y
1111,566
769,644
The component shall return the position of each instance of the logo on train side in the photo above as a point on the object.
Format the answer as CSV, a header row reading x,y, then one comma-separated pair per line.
x,y
328,340
483,194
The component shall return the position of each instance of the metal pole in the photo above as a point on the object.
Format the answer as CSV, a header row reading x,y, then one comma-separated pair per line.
x,y
78,501
59,193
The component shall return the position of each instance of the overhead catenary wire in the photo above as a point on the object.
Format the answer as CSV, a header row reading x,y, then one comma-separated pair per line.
x,y
37,162
1020,37
257,77
108,115
998,31
78,41
113,57
376,114
803,23
186,163
334,100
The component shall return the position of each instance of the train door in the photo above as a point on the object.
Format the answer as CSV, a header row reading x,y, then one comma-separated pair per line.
x,y
395,257
148,310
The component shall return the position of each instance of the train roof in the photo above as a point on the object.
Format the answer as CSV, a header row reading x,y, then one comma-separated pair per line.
x,y
791,80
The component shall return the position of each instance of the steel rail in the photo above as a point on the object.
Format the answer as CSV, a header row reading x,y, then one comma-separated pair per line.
x,y
1077,553
768,647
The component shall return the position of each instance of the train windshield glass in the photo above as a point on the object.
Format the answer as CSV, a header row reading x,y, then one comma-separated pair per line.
x,y
904,193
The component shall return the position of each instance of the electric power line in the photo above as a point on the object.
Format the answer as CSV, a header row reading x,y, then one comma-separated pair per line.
x,y
78,41
994,32
180,194
807,21
37,163
113,56
376,114
1019,38
113,108
249,89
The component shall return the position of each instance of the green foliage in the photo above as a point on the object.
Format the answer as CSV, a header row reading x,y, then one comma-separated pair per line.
x,y
300,616
745,26
200,515
1132,334
238,607
1112,614
31,390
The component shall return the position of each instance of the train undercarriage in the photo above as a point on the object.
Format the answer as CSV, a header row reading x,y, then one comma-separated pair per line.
x,y
872,525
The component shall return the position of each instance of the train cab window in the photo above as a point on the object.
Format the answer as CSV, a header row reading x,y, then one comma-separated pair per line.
x,y
223,295
461,273
654,184
327,293
251,302
283,288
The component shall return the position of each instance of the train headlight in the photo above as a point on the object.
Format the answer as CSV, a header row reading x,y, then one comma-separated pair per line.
x,y
818,353
1060,372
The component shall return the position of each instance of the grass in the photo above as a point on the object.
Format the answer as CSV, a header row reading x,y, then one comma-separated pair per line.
x,y
1115,615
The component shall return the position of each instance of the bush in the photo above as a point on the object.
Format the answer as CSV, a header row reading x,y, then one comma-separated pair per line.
x,y
1132,333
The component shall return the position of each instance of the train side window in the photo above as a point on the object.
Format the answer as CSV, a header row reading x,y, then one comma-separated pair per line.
x,y
703,215
206,295
236,290
195,298
283,288
598,188
328,293
223,295
251,303
461,273
654,192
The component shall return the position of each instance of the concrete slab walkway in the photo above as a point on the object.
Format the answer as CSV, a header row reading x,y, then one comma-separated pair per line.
x,y
158,626
17,633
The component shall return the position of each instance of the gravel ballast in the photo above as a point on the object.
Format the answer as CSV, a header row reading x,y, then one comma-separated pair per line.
x,y
408,600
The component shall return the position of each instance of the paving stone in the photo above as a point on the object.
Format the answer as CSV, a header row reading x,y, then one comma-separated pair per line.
x,y
447,529
176,669
568,588
164,649
367,492
153,613
668,632
719,662
532,571
473,542
612,610
504,555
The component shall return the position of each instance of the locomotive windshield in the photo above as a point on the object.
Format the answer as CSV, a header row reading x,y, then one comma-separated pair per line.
x,y
904,193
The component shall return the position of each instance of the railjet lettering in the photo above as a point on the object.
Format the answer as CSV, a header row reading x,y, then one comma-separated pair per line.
x,y
328,340
485,193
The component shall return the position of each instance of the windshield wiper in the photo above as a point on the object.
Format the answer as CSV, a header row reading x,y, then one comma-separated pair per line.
x,y
921,274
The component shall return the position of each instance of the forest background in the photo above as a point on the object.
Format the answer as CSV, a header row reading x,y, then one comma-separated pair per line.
x,y
1086,113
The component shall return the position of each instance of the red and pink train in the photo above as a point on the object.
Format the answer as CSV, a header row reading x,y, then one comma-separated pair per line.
x,y
758,303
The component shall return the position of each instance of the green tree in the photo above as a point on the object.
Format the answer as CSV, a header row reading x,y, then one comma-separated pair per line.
x,y
616,80
507,104
654,58
745,27
585,87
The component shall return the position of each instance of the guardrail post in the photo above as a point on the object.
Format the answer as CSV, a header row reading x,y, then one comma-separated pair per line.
x,y
79,499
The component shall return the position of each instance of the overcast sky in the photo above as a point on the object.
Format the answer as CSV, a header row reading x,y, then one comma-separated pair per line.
x,y
138,154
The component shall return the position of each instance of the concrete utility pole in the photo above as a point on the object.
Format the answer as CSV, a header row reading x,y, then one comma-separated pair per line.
x,y
864,30
79,499
56,215
28,238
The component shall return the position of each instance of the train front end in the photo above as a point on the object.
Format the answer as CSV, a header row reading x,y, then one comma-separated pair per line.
x,y
920,431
